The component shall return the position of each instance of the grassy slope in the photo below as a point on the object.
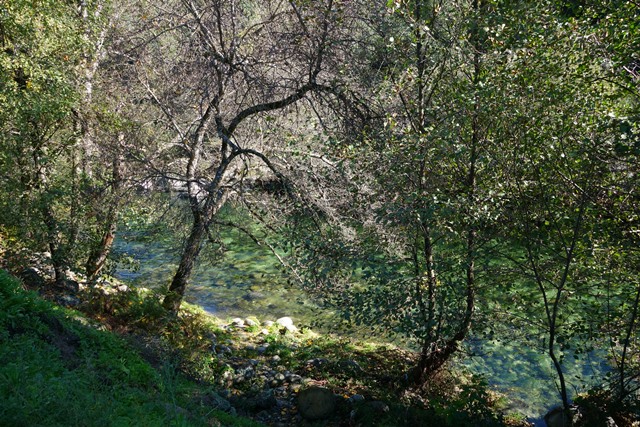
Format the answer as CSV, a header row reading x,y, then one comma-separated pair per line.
x,y
56,369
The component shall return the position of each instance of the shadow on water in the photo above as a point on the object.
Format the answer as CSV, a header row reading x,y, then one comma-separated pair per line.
x,y
247,281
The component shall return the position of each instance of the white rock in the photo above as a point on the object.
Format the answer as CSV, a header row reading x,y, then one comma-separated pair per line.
x,y
285,321
237,322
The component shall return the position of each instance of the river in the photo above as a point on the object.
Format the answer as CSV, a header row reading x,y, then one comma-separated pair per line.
x,y
247,281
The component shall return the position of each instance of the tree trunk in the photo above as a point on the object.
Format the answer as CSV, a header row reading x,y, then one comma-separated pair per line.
x,y
173,299
99,255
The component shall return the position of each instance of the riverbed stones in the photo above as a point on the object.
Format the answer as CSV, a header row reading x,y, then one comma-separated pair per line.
x,y
316,403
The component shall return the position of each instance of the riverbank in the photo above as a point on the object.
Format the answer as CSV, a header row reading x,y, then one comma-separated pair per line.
x,y
195,369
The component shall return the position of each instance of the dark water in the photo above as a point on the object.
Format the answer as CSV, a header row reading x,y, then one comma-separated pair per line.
x,y
247,281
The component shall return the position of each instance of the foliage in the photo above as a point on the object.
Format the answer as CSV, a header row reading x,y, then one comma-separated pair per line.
x,y
440,169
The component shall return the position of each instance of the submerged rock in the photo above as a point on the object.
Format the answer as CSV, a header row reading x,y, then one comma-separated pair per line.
x,y
253,296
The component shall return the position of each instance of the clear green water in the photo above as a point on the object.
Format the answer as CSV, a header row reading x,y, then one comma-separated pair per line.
x,y
247,281
527,376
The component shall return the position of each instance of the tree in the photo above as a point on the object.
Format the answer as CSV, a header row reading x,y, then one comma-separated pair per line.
x,y
39,52
212,72
563,174
404,252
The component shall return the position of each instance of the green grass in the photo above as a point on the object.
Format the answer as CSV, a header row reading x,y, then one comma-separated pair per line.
x,y
57,370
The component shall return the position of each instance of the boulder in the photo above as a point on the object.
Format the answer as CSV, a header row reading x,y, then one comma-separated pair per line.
x,y
250,322
378,407
215,401
237,322
316,403
558,417
287,323
32,278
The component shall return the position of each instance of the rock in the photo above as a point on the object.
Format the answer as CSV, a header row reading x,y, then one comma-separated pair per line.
x,y
68,300
237,322
557,417
215,401
268,323
245,373
262,349
316,403
316,363
285,321
611,422
356,398
378,406
222,349
263,401
250,322
32,277
275,359
349,366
